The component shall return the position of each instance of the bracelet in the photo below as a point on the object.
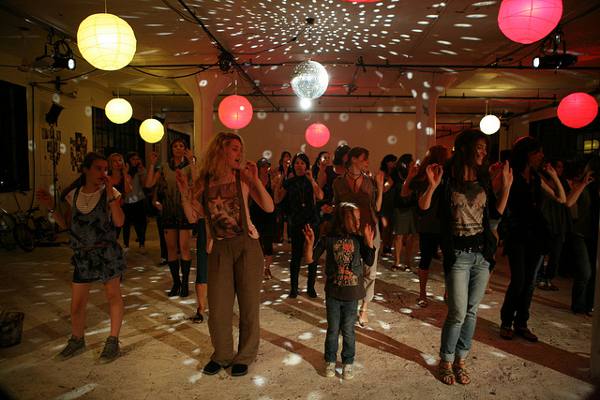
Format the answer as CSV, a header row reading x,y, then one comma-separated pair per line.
x,y
51,210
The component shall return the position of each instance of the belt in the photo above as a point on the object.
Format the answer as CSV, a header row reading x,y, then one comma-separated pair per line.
x,y
474,249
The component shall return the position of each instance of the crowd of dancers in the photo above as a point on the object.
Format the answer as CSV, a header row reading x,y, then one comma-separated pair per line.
x,y
452,201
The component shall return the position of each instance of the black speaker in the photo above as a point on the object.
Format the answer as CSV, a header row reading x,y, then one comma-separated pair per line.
x,y
52,115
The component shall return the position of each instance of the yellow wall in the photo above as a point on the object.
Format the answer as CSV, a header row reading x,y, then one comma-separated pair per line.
x,y
72,119
276,132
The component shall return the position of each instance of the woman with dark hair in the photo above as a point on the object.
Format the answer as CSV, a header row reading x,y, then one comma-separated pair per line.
x,y
134,203
526,233
388,163
356,186
404,225
177,229
300,193
282,174
325,179
92,215
583,238
323,159
264,221
466,200
428,223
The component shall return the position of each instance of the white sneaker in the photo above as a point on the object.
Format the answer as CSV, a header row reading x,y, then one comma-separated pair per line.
x,y
347,371
329,369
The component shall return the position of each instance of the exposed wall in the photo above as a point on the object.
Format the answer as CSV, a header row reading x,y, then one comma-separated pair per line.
x,y
380,133
75,117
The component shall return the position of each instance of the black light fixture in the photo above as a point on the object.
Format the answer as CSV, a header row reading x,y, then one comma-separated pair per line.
x,y
63,55
550,57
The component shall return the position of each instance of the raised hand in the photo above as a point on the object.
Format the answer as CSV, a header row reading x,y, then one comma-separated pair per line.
x,y
309,235
182,184
250,173
434,174
379,179
189,155
550,170
413,170
44,198
507,175
153,158
369,234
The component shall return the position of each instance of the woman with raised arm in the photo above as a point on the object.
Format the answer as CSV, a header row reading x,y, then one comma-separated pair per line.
x,y
466,201
356,186
300,194
177,229
527,234
92,215
235,261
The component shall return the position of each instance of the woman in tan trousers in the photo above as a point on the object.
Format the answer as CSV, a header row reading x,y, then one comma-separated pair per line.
x,y
235,260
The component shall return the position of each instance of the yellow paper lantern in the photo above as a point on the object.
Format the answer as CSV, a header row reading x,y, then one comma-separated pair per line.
x,y
151,130
118,110
106,41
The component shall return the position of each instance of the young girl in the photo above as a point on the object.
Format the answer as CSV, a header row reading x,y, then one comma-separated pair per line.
x,y
92,215
235,262
177,229
346,254
465,202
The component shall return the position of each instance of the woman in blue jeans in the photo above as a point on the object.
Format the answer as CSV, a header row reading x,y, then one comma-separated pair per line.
x,y
466,201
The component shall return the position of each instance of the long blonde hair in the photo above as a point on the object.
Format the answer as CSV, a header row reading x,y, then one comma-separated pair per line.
x,y
110,158
213,164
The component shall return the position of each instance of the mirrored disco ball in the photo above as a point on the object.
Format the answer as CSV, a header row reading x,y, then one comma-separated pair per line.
x,y
309,80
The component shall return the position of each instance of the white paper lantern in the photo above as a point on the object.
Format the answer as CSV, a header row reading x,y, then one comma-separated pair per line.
x,y
118,110
151,130
489,124
106,41
309,80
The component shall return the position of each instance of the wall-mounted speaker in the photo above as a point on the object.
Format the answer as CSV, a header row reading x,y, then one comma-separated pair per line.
x,y
52,115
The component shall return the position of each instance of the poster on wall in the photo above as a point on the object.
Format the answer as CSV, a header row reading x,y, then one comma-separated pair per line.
x,y
78,151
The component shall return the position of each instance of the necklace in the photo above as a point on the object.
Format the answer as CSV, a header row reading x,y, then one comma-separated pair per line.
x,y
354,178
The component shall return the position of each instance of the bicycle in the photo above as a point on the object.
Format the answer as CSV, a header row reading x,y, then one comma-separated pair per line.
x,y
27,229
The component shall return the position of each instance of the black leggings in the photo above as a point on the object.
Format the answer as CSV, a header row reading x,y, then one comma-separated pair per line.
x,y
135,214
428,245
523,259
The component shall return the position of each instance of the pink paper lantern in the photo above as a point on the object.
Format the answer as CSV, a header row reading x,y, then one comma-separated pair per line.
x,y
317,135
577,110
235,112
527,21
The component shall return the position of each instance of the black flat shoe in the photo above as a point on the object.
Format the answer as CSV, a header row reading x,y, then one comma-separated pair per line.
x,y
239,370
311,293
526,334
293,294
211,368
197,318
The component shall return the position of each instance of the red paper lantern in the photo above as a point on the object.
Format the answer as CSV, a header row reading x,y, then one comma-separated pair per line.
x,y
235,112
577,110
317,135
527,21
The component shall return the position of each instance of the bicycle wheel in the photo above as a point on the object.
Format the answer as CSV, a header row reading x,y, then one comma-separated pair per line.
x,y
24,237
44,230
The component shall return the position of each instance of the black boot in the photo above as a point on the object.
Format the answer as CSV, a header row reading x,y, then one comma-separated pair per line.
x,y
185,277
294,273
174,268
312,278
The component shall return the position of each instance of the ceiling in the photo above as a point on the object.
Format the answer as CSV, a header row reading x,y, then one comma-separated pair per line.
x,y
457,42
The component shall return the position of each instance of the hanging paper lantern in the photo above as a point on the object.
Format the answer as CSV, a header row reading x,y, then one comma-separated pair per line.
x,y
309,80
151,130
317,135
118,110
489,124
577,110
527,21
106,41
235,112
